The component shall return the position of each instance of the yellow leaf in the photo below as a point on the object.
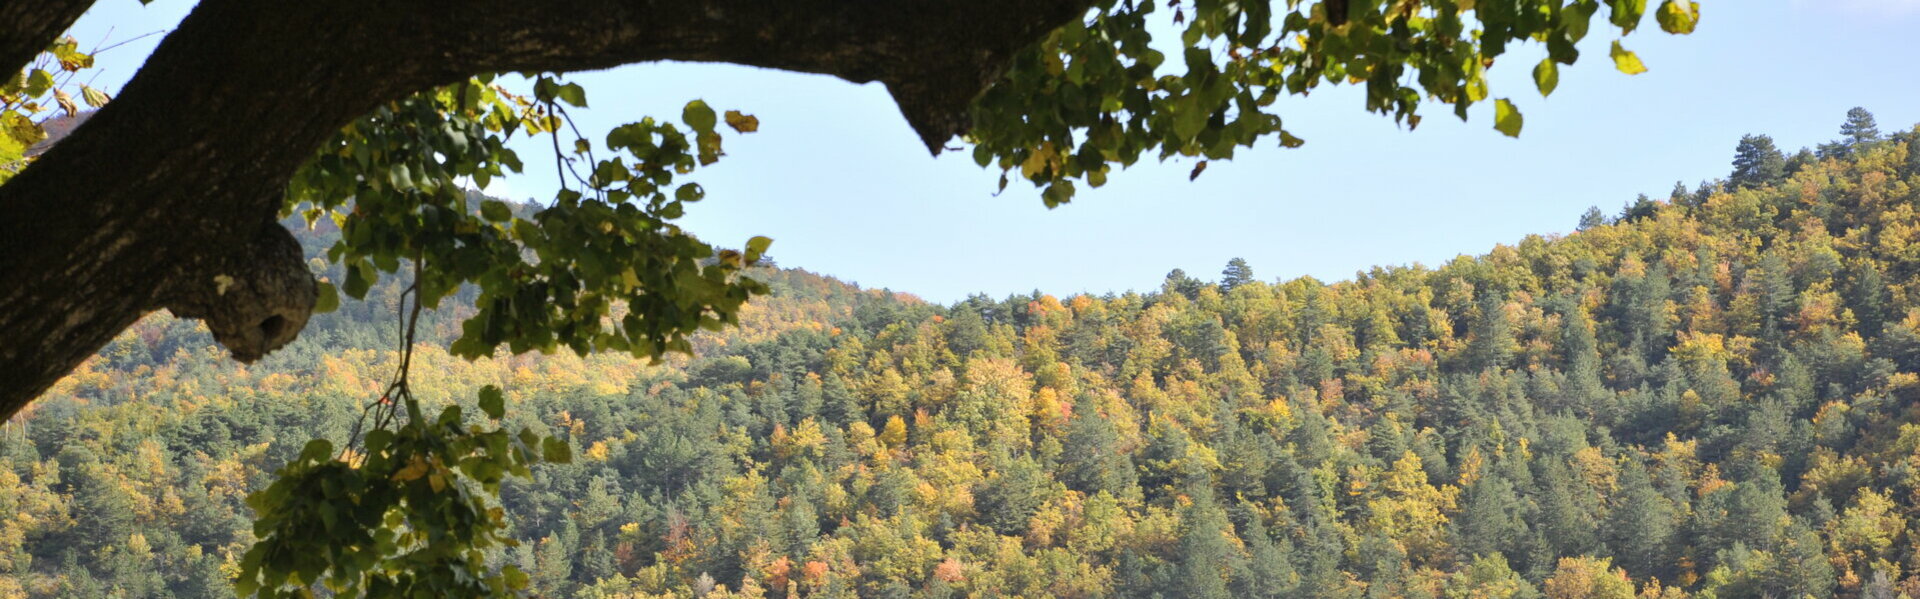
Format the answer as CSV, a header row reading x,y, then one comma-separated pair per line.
x,y
415,469
744,123
1626,60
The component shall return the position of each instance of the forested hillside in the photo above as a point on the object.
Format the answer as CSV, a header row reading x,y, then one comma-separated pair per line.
x,y
1707,395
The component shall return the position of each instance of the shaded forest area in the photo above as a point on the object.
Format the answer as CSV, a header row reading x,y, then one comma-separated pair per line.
x,y
1707,395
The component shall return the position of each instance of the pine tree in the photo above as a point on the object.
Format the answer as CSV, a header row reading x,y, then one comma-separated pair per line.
x,y
1584,389
1269,567
1207,551
1491,520
1640,530
1859,128
1641,207
1493,343
1912,139
1236,274
1179,283
1757,163
1093,461
1592,218
1800,160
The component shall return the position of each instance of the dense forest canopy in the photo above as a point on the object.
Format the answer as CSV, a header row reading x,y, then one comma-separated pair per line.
x,y
1710,394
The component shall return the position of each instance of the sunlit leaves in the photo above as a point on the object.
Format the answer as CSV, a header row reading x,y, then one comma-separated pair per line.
x,y
546,89
1626,60
600,268
1677,16
406,514
1626,14
39,92
1506,118
743,123
757,247
698,115
328,299
1101,93
94,97
1546,76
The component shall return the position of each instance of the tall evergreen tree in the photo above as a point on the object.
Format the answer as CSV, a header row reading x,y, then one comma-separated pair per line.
x,y
1093,461
1640,530
1493,343
1207,552
1641,207
1593,217
1859,128
1757,163
1236,274
1179,283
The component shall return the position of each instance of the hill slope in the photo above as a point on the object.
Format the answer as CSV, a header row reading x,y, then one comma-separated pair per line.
x,y
1708,396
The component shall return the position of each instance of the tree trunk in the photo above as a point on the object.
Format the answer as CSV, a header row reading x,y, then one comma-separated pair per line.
x,y
167,197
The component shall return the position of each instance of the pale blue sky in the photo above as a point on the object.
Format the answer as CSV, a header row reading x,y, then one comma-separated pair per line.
x,y
841,184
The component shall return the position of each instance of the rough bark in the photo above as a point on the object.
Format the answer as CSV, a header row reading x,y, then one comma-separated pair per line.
x,y
28,26
167,196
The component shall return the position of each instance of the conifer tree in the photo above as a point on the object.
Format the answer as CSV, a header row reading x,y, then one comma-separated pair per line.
x,y
1593,217
1236,274
1757,163
1640,530
1859,128
1093,461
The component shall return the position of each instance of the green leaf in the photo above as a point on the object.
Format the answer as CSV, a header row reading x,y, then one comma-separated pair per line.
x,y
1626,14
1506,118
496,211
328,299
318,450
359,279
38,82
1626,60
516,579
21,128
1546,76
756,247
555,451
492,402
399,177
1678,17
699,116
572,93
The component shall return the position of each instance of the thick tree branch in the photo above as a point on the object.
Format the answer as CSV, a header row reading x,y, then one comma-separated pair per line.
x,y
254,299
178,174
28,26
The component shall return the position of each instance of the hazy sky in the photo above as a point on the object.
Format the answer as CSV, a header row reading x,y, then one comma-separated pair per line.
x,y
843,187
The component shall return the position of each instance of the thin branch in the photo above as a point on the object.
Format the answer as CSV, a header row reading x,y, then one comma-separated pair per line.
x,y
128,40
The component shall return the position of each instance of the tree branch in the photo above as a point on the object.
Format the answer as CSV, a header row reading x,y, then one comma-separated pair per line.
x,y
28,27
183,167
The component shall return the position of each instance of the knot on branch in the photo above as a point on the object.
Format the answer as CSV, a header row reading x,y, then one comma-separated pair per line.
x,y
254,299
